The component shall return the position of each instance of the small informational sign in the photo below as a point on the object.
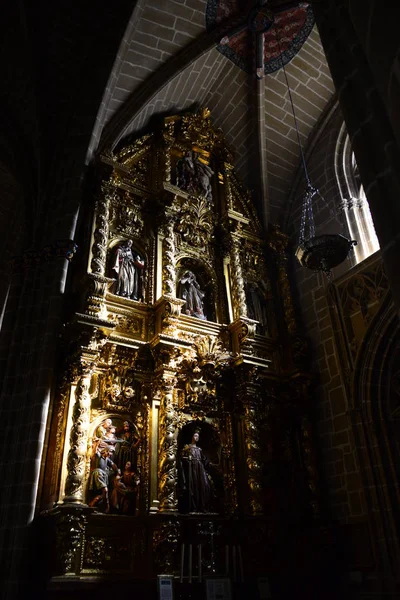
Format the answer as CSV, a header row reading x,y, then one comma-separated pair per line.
x,y
165,587
264,589
218,589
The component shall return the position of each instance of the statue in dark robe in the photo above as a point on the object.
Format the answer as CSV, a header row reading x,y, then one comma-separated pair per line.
x,y
257,307
189,290
195,492
126,446
193,175
129,268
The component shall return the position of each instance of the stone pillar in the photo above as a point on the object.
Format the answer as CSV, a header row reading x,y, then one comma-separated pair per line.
x,y
168,446
76,462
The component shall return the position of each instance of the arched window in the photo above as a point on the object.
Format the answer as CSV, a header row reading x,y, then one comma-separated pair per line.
x,y
354,202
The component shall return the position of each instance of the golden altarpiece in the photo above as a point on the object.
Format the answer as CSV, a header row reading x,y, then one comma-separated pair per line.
x,y
184,325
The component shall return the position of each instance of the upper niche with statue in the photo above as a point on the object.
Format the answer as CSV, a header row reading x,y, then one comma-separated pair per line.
x,y
177,223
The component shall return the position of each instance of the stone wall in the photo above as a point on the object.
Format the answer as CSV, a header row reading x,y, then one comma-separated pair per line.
x,y
339,318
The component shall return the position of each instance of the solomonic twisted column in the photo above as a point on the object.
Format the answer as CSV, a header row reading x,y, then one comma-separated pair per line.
x,y
168,446
76,462
99,248
169,263
238,292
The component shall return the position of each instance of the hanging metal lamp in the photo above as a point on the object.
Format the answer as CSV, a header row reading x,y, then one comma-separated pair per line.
x,y
319,252
315,252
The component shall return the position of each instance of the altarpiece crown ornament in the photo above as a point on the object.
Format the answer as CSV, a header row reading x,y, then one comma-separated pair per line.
x,y
169,412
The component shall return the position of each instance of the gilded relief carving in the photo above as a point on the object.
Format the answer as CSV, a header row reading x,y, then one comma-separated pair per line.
x,y
196,224
165,545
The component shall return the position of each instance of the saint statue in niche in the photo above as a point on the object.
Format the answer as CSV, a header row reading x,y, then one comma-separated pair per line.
x,y
99,482
193,175
126,446
189,290
114,478
194,484
125,491
129,269
257,307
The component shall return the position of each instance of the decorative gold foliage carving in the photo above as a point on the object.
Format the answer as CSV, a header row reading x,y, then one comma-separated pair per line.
x,y
165,545
126,215
107,554
196,224
128,324
200,371
197,127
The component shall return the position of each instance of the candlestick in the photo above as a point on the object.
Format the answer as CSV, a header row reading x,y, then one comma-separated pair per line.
x,y
240,563
199,563
190,563
234,562
182,561
227,559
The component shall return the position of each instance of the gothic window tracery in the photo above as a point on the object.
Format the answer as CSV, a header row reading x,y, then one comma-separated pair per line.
x,y
354,201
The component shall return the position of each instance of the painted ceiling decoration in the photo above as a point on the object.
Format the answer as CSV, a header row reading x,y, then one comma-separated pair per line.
x,y
293,22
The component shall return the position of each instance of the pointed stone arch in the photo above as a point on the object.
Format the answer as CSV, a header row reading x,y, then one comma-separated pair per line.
x,y
373,420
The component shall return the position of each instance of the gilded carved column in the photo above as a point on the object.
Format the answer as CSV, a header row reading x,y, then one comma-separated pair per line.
x,y
169,139
248,394
278,241
231,502
76,462
169,262
309,464
252,456
99,248
168,445
238,292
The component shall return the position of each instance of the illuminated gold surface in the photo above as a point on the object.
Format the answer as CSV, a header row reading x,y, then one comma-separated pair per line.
x,y
163,370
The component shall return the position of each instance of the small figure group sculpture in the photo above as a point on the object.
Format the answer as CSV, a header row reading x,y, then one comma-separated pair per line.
x,y
189,290
129,269
114,480
194,484
193,175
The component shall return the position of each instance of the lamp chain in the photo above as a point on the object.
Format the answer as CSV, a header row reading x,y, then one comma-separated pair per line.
x,y
307,216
